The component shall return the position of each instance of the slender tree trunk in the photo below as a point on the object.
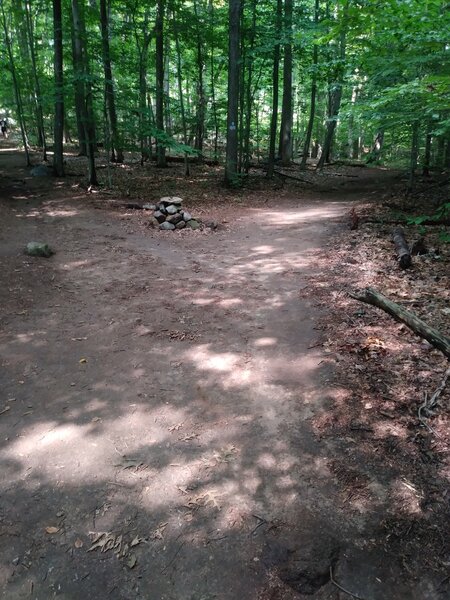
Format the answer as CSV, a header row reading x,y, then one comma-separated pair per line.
x,y
275,86
427,155
17,94
79,100
286,111
116,145
415,128
81,73
335,93
374,155
201,100
312,109
37,87
234,16
353,142
249,95
213,86
180,93
159,32
58,159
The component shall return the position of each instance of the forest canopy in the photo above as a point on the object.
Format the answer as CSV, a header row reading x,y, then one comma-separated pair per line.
x,y
242,82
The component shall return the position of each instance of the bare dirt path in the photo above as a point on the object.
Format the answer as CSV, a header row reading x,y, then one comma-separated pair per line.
x,y
156,398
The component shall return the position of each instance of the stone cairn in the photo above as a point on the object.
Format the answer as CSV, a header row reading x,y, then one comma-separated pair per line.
x,y
168,214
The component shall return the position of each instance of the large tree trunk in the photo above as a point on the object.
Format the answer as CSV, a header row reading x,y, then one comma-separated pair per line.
x,y
275,86
312,110
159,32
439,341
427,154
286,111
116,150
234,14
58,159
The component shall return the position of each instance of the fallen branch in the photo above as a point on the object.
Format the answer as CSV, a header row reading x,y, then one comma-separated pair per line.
x,y
419,327
401,245
281,174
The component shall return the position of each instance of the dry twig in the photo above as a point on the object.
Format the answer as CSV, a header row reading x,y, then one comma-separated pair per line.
x,y
334,582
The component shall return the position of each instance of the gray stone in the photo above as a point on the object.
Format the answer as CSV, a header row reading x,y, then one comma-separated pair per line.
x,y
180,224
38,249
171,200
171,209
176,218
159,216
149,206
212,224
193,224
187,216
152,222
167,226
42,171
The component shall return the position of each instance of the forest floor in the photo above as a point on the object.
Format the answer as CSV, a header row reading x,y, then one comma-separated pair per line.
x,y
207,415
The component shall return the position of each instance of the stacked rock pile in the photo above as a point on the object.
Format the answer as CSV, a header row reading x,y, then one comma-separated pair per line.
x,y
169,214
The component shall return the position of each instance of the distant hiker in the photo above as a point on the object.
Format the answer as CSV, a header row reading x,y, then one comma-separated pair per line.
x,y
4,128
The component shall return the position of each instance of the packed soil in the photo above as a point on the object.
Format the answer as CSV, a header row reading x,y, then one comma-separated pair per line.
x,y
199,415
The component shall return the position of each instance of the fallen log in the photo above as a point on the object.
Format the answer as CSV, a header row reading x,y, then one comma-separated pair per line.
x,y
281,174
401,245
419,327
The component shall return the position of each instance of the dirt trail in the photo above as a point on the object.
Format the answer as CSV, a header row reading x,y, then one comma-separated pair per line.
x,y
159,388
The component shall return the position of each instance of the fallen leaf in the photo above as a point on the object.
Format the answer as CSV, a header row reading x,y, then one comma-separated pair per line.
x,y
157,534
135,541
78,339
131,562
78,543
52,530
82,361
5,410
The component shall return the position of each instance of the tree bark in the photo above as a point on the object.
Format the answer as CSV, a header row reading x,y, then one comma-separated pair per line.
x,y
234,14
286,110
427,154
159,61
419,327
249,96
377,147
401,245
275,85
116,149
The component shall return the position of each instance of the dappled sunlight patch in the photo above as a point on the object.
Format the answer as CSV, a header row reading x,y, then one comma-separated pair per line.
x,y
207,360
292,217
406,497
265,342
